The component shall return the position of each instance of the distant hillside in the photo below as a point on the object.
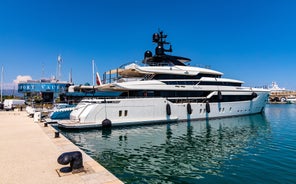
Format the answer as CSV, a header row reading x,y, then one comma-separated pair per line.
x,y
9,92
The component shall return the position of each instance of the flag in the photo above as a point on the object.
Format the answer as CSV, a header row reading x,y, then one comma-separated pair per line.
x,y
98,79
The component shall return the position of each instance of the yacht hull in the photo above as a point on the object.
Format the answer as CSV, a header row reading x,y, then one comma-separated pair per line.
x,y
140,111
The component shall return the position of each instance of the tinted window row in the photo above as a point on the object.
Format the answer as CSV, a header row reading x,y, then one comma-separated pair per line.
x,y
189,94
202,83
168,76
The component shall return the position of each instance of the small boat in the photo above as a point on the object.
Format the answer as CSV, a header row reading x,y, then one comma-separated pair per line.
x,y
61,111
31,110
291,99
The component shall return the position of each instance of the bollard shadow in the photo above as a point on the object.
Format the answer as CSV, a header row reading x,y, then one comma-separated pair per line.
x,y
65,169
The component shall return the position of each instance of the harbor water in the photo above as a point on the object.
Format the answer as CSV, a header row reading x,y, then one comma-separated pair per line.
x,y
248,149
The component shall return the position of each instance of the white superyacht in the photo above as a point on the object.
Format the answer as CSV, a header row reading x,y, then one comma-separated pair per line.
x,y
165,89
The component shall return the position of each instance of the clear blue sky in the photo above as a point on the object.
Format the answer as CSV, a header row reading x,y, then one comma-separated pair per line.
x,y
249,40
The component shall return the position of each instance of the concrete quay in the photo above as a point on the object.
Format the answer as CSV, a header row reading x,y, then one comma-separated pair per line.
x,y
29,152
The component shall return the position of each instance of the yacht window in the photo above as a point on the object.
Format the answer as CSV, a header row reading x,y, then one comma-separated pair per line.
x,y
125,113
120,113
231,98
219,83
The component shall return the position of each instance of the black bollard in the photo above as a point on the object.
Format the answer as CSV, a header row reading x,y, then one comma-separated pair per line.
x,y
56,134
75,160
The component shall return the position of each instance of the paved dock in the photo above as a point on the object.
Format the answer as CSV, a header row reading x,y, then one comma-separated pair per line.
x,y
29,152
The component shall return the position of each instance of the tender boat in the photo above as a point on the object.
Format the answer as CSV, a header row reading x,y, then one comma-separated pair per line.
x,y
291,99
165,89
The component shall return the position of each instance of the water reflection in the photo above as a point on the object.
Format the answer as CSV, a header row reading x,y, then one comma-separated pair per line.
x,y
172,153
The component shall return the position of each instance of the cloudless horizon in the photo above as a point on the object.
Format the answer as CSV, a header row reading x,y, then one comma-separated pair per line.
x,y
249,40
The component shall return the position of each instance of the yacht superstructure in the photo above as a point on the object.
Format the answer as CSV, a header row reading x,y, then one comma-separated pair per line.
x,y
165,89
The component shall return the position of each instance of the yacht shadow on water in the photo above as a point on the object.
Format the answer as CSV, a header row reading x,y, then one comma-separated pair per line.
x,y
199,147
228,122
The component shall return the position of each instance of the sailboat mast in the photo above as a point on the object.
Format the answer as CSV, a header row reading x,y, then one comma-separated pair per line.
x,y
2,73
93,72
70,76
59,74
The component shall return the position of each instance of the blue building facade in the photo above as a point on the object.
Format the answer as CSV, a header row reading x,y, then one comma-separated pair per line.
x,y
47,91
